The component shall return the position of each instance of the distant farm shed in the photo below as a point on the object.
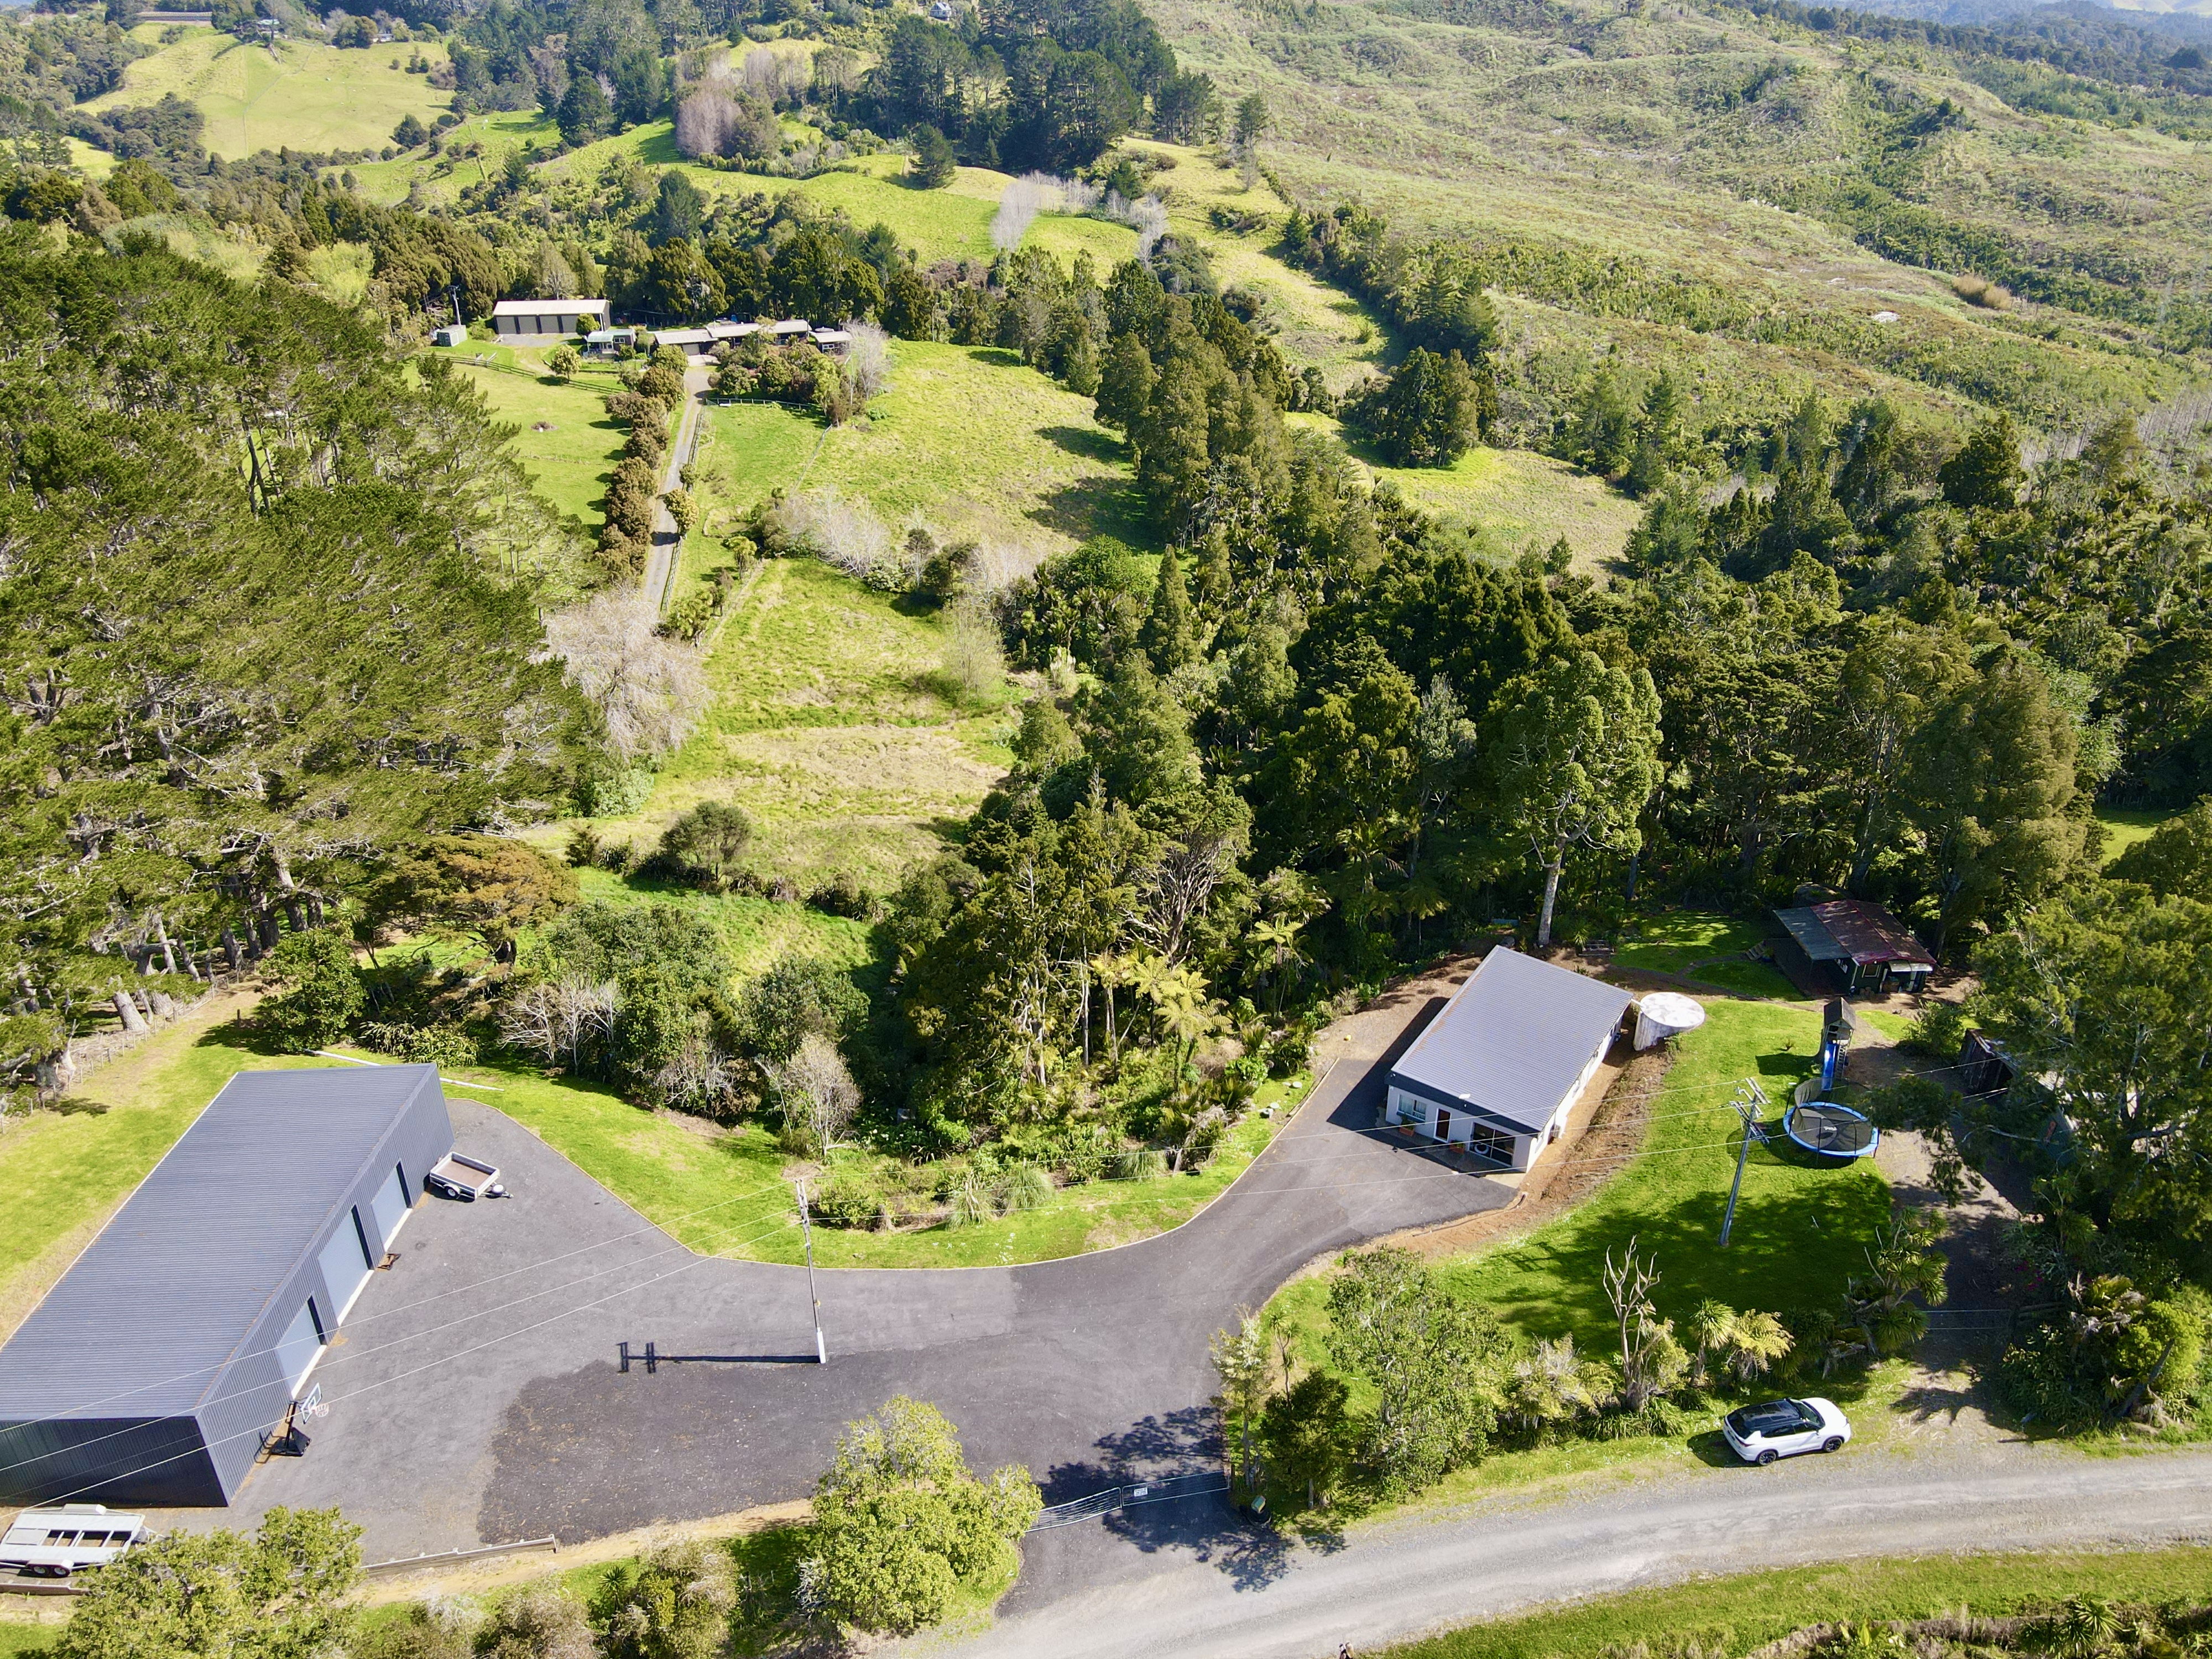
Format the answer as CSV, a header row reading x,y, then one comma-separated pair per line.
x,y
154,1372
527,320
1498,1068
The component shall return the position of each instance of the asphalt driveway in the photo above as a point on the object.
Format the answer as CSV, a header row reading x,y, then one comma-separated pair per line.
x,y
476,1395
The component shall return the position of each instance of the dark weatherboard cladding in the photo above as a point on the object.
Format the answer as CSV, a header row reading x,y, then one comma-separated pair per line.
x,y
154,1371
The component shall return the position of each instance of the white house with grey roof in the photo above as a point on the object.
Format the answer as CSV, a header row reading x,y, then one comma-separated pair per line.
x,y
1497,1071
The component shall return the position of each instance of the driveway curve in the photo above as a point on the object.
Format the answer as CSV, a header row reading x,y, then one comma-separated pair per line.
x,y
477,1396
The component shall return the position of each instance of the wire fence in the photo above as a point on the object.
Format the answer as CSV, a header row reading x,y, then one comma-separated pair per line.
x,y
1167,1490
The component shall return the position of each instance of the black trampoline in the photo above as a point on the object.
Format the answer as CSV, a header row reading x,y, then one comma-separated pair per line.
x,y
1831,1130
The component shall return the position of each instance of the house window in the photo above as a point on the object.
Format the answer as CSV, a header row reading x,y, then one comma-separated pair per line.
x,y
1492,1145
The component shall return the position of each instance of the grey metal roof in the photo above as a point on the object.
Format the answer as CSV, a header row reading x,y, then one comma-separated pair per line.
x,y
1513,1039
147,1316
1812,935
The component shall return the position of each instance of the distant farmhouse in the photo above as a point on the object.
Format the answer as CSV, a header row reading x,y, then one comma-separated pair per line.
x,y
1497,1072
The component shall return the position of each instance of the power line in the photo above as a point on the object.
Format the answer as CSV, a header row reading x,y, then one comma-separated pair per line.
x,y
404,1307
723,1240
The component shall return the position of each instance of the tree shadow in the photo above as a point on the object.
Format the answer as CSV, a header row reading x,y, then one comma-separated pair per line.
x,y
996,357
1249,1552
1091,506
1089,442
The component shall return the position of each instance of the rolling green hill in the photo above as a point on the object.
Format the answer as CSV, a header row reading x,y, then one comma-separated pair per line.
x,y
302,96
1622,162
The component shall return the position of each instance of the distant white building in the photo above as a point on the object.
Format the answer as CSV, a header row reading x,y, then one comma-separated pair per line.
x,y
1497,1071
534,322
452,334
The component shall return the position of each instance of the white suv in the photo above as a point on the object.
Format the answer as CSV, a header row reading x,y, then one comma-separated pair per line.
x,y
1782,1428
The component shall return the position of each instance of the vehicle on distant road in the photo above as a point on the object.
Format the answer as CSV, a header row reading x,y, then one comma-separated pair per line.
x,y
56,1542
1783,1428
459,1176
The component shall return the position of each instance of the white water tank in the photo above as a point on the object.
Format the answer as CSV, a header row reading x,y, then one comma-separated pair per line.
x,y
1664,1014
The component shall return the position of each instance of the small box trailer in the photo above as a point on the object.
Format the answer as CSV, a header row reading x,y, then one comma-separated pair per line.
x,y
54,1543
459,1176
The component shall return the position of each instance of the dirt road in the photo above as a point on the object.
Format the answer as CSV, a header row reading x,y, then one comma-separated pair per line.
x,y
1198,1586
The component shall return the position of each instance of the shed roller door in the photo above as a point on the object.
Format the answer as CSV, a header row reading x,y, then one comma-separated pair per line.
x,y
344,1268
300,1343
389,1207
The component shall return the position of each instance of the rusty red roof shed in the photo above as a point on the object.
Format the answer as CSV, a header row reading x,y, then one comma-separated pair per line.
x,y
1869,933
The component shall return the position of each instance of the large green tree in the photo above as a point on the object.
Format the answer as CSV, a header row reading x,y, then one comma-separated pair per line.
x,y
1574,755
1993,788
901,1521
2098,997
1437,1365
274,601
279,1594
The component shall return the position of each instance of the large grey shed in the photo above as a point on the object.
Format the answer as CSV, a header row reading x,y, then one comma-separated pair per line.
x,y
1498,1070
153,1374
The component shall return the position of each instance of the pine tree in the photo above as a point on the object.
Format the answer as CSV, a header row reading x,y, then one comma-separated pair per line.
x,y
1167,636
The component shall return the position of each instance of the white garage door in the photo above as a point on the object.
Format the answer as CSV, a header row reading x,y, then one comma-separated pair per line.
x,y
389,1207
346,1269
301,1343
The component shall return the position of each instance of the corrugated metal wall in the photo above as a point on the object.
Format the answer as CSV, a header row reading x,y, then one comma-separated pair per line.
x,y
200,1458
250,1395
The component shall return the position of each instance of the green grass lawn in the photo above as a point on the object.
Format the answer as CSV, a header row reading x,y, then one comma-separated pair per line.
x,y
304,94
1799,1229
720,1192
951,223
1734,1615
756,931
1312,322
968,440
826,728
1701,945
2124,828
441,176
570,460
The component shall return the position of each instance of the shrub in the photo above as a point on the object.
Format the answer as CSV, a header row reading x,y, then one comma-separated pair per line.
x,y
901,1521
1141,1164
318,994
972,666
675,1604
1938,1030
847,1200
614,794
843,896
839,532
446,1044
563,361
1024,1188
796,996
